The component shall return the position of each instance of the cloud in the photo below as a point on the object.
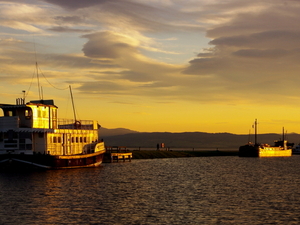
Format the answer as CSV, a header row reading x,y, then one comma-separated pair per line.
x,y
254,17
109,45
70,19
20,26
253,43
130,16
68,30
100,87
76,4
257,53
24,17
267,39
135,73
136,76
254,54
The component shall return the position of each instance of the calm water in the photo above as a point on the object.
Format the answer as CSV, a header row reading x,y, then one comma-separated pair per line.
x,y
208,190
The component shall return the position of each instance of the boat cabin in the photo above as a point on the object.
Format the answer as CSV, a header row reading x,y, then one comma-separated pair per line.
x,y
33,128
34,114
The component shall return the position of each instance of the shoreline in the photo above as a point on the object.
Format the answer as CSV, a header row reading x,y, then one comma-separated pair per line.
x,y
156,154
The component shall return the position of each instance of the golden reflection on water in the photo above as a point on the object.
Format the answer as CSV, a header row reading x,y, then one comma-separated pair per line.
x,y
208,190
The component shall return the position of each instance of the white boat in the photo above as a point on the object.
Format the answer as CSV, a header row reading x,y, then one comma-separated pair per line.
x,y
280,149
32,135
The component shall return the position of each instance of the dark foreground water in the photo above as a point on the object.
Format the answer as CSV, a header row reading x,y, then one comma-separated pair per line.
x,y
208,190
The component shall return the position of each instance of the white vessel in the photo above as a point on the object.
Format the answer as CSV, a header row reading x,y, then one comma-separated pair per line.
x,y
32,135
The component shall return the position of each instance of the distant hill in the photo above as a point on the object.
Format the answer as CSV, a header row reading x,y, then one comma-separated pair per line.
x,y
104,132
132,139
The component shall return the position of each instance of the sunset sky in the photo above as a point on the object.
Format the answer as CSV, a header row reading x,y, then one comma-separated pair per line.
x,y
157,65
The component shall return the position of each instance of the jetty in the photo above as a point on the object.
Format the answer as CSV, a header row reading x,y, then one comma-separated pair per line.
x,y
118,154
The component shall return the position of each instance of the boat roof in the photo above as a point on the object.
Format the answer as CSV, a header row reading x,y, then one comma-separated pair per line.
x,y
28,130
49,102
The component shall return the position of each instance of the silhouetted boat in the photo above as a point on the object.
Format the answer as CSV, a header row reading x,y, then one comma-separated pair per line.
x,y
296,150
280,149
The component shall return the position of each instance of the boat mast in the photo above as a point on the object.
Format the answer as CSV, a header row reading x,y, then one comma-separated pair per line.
x,y
37,73
255,132
249,136
73,104
38,79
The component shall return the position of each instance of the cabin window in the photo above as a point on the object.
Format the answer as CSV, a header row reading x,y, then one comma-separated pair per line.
x,y
9,113
27,113
54,113
39,113
45,115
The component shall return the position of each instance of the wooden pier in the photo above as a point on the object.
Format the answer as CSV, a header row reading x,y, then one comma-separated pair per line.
x,y
118,153
120,157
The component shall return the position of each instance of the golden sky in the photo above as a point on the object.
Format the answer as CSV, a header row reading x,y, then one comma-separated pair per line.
x,y
157,65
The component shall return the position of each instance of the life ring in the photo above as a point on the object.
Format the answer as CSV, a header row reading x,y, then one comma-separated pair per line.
x,y
77,124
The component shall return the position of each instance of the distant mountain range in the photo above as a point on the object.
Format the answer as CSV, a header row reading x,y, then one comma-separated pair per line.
x,y
134,139
104,132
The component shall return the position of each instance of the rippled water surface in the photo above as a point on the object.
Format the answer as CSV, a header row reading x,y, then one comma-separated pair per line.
x,y
208,190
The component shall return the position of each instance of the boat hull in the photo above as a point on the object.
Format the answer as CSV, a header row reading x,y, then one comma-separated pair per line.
x,y
50,161
248,151
275,152
257,151
296,150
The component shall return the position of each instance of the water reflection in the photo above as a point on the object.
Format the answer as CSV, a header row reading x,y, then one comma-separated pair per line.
x,y
208,190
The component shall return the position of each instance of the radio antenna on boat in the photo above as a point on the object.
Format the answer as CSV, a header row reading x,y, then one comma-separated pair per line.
x,y
24,95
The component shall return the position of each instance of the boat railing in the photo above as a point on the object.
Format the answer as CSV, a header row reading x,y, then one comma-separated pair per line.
x,y
9,122
78,124
12,122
